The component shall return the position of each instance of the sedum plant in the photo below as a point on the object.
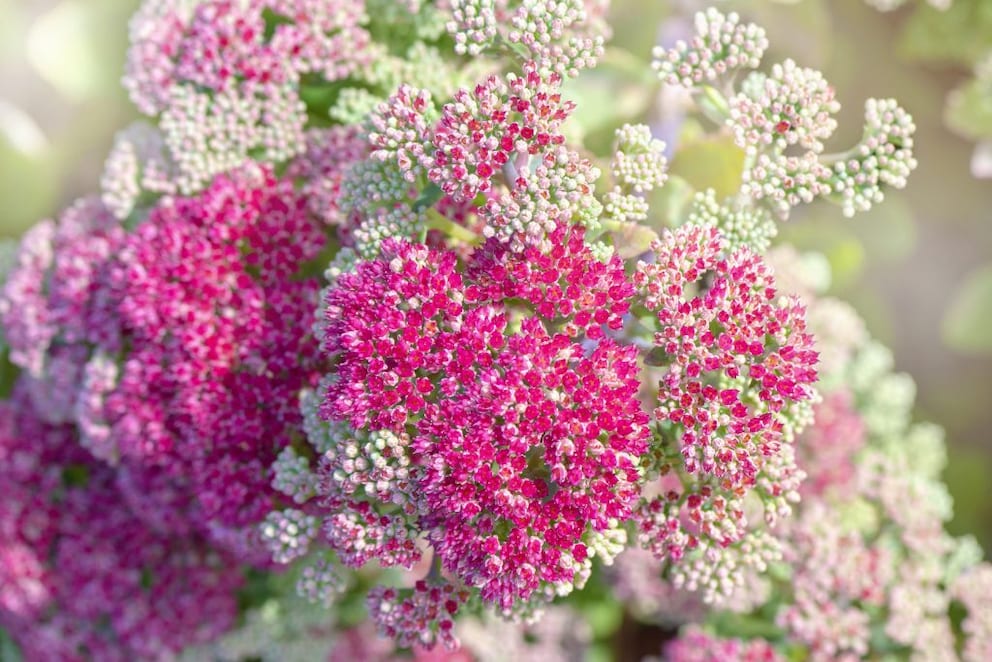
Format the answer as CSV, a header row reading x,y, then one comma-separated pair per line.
x,y
955,33
359,354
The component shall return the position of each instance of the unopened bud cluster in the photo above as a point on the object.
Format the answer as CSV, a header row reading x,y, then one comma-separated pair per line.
x,y
781,120
722,45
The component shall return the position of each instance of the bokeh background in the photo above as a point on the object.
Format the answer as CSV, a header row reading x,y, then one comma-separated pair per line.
x,y
918,268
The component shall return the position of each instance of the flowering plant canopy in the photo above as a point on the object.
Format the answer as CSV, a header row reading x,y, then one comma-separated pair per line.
x,y
363,352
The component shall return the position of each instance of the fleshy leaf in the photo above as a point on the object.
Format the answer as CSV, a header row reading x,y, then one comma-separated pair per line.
x,y
967,321
710,162
969,110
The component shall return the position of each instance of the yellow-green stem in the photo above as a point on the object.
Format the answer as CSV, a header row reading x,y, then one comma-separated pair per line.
x,y
435,221
714,105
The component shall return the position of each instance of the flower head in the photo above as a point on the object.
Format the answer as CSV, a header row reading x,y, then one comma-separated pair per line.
x,y
721,45
81,574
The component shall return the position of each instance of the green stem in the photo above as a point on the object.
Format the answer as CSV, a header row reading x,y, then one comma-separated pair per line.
x,y
743,200
613,225
714,105
435,221
839,157
435,572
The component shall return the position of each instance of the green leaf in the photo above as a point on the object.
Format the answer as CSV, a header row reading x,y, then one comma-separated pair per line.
x,y
599,653
710,162
670,204
960,33
8,373
603,617
257,588
729,624
967,323
75,475
273,21
796,653
969,110
428,197
319,96
8,649
147,578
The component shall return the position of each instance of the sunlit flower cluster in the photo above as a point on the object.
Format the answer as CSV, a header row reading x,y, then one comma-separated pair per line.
x,y
562,35
722,45
447,390
182,330
781,119
81,574
737,359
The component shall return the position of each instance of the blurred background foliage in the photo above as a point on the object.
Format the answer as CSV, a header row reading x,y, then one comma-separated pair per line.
x,y
918,268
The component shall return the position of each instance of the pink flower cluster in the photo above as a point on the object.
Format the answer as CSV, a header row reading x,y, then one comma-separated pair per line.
x,y
500,398
827,449
225,74
176,347
48,304
972,590
498,124
561,635
423,616
638,580
501,140
695,645
736,358
363,479
82,577
837,580
220,45
323,167
566,284
508,449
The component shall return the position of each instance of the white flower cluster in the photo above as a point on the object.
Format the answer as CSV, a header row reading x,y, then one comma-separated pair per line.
x,y
884,157
782,118
740,226
792,105
638,167
722,45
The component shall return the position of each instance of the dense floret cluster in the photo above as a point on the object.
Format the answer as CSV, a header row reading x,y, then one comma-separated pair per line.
x,y
506,450
721,45
173,347
82,575
225,76
737,361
